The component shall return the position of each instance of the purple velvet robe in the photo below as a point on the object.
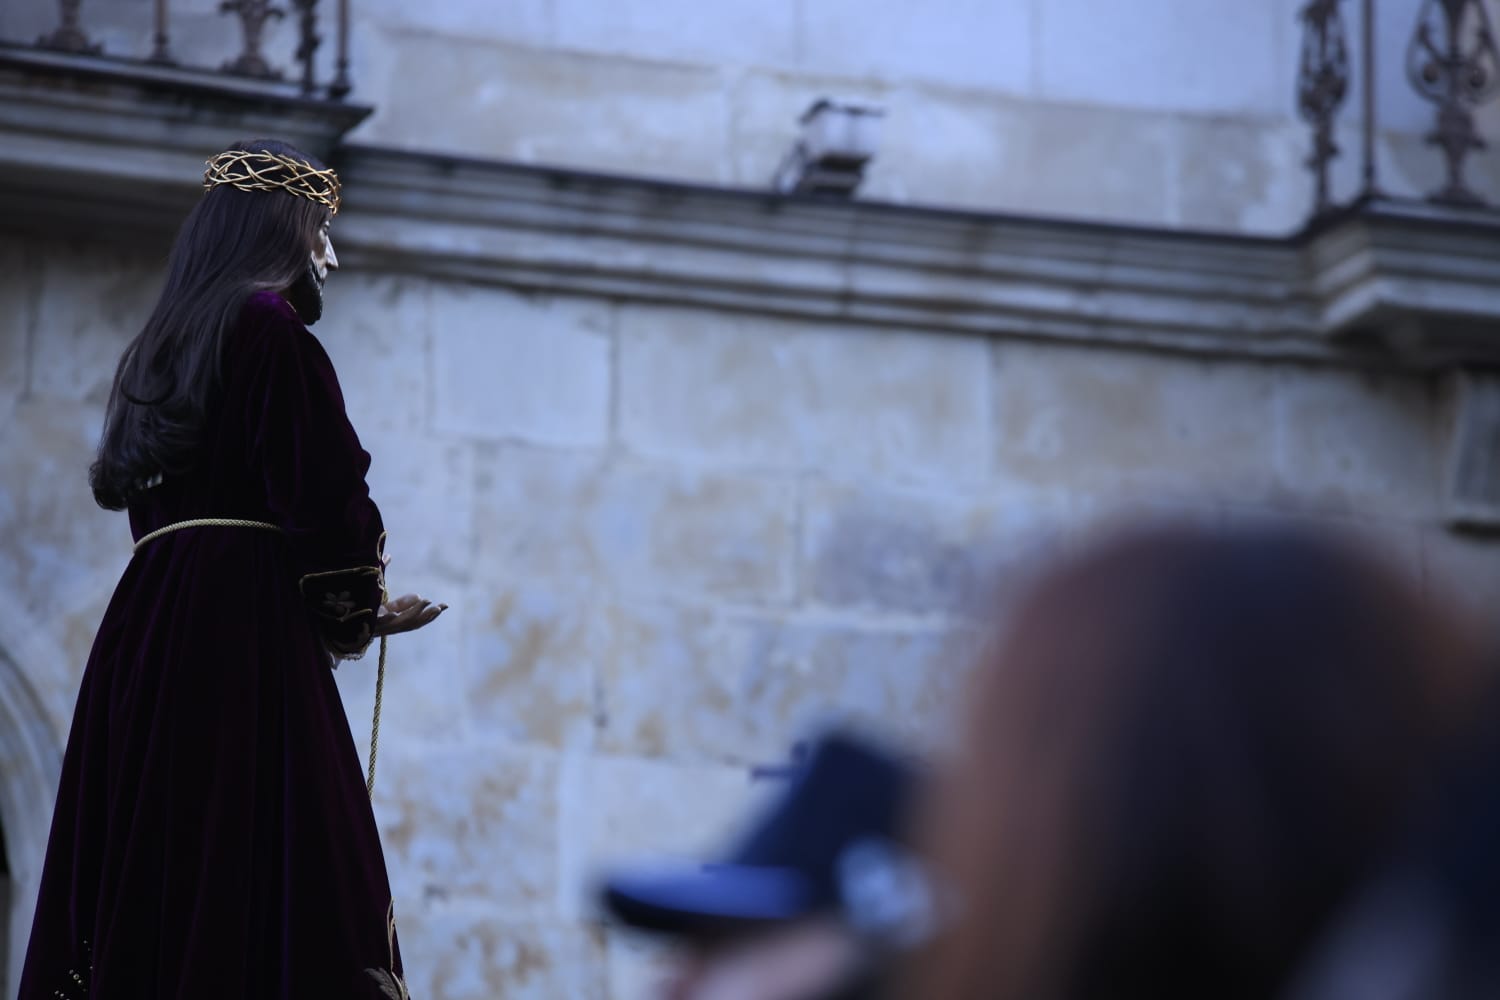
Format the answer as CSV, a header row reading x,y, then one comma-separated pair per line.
x,y
213,836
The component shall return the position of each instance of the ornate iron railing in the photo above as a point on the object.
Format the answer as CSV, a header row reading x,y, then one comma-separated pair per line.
x,y
253,16
1451,61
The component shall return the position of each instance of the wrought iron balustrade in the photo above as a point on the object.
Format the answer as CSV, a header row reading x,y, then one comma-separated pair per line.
x,y
1451,61
72,35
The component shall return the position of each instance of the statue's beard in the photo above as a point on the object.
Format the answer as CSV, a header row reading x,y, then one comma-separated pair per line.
x,y
306,295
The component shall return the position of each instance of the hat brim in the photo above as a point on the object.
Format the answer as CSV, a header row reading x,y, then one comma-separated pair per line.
x,y
689,901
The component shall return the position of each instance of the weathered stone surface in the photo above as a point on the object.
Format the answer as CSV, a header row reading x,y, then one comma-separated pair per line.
x,y
549,106
1471,461
508,366
526,21
1134,424
904,553
745,689
476,826
1357,444
1194,57
634,526
17,319
377,329
625,810
92,303
53,538
76,625
530,669
1241,175
637,965
424,699
479,955
935,43
898,405
425,489
999,154
683,31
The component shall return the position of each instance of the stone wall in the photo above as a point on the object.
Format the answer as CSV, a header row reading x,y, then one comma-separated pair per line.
x,y
673,539
1178,112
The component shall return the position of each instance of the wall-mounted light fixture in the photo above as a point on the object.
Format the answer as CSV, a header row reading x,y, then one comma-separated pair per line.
x,y
838,139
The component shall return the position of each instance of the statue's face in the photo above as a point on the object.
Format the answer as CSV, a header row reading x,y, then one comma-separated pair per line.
x,y
323,257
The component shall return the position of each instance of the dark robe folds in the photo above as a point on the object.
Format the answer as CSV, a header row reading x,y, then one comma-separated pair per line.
x,y
213,836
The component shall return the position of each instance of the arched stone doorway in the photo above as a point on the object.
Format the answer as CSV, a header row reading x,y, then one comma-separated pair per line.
x,y
30,762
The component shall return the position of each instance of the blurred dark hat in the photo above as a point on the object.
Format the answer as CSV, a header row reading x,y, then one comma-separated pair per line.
x,y
830,842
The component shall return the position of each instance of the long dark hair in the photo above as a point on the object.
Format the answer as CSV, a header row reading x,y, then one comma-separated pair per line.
x,y
1187,752
234,243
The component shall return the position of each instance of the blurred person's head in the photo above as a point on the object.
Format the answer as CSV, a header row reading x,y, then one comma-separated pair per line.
x,y
262,224
1181,757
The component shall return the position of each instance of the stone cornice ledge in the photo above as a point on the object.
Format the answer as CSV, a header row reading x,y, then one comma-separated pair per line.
x,y
1418,281
860,262
1385,284
115,150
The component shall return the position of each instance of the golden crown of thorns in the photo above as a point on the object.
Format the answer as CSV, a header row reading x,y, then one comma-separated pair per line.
x,y
258,171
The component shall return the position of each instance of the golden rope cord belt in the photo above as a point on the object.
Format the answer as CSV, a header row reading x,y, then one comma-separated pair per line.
x,y
234,522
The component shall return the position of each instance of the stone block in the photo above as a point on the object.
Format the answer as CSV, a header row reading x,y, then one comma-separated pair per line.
x,y
530,670
475,827
508,366
905,553
476,955
1028,157
1471,467
1123,424
683,31
425,489
377,330
424,699
745,689
18,280
54,539
549,106
626,810
780,395
938,42
528,22
1357,444
74,627
634,526
93,302
1168,55
1242,175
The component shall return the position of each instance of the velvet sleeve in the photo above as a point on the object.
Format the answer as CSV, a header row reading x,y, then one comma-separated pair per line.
x,y
313,468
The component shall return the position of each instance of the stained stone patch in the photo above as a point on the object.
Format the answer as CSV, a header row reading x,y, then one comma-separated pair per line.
x,y
743,689
636,527
475,827
466,954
